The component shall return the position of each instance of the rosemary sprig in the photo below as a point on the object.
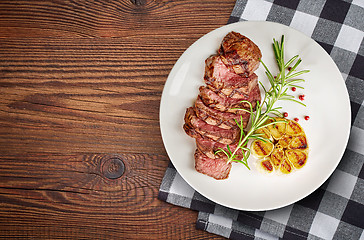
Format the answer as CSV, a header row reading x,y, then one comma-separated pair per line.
x,y
264,109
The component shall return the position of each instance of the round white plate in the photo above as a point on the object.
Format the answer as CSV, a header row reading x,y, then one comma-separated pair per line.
x,y
327,129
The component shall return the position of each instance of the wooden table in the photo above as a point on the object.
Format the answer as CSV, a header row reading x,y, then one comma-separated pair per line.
x,y
81,83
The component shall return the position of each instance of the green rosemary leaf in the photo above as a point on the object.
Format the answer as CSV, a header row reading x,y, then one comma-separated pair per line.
x,y
263,139
296,86
289,62
243,162
284,91
285,96
297,74
244,149
296,80
276,113
261,84
276,108
223,151
237,123
296,64
250,105
267,72
228,148
296,101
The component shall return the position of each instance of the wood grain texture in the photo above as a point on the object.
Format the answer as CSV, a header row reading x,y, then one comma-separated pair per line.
x,y
80,86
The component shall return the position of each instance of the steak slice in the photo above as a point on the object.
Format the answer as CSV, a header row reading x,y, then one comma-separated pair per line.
x,y
242,92
223,103
193,123
218,76
216,168
209,148
215,117
240,54
190,131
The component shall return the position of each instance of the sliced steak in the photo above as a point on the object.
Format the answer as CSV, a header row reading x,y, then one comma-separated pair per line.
x,y
190,131
225,136
215,117
239,92
230,80
240,54
221,102
209,148
216,168
218,76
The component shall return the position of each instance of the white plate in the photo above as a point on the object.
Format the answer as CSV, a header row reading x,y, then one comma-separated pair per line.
x,y
327,129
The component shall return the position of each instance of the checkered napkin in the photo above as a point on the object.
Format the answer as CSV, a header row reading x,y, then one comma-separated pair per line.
x,y
336,209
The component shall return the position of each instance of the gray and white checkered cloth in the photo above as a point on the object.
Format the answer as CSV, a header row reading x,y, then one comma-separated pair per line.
x,y
336,209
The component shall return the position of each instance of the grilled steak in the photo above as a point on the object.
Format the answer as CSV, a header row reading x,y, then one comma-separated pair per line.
x,y
221,102
225,136
230,79
215,117
240,54
216,168
242,92
210,148
218,76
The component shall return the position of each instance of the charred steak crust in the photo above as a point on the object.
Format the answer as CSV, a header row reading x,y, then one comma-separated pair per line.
x,y
219,77
212,116
221,102
211,121
225,136
210,148
240,53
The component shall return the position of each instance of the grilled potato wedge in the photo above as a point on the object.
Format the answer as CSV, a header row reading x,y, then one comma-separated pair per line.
x,y
285,141
278,129
261,149
264,133
298,142
298,158
266,165
293,128
277,157
286,167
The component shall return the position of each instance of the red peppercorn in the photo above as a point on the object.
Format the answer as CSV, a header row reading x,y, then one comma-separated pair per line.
x,y
307,117
293,89
301,97
285,114
296,119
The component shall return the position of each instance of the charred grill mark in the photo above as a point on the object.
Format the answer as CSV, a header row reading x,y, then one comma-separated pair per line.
x,y
286,166
304,146
303,142
277,158
301,162
261,148
299,143
267,165
219,122
301,157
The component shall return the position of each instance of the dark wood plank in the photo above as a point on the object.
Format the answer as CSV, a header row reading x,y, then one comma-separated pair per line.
x,y
103,98
47,196
80,85
68,18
